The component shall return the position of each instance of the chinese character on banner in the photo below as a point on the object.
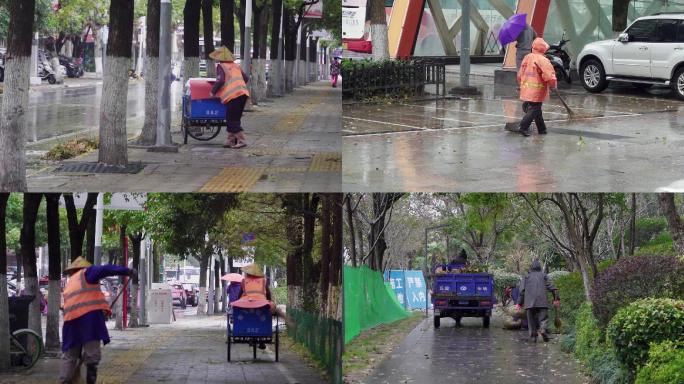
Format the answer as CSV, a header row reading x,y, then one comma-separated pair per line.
x,y
421,295
398,282
409,282
401,299
418,282
392,284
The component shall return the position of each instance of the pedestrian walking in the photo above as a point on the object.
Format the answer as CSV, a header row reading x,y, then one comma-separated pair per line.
x,y
85,310
335,71
533,298
536,77
523,45
231,88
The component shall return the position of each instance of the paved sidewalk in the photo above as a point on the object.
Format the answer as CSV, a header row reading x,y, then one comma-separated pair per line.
x,y
294,146
191,350
472,354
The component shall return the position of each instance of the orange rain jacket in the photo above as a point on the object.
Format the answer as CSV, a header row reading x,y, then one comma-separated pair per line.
x,y
536,74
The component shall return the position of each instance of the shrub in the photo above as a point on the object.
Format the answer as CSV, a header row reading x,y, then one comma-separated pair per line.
x,y
591,349
366,79
647,228
665,364
661,244
571,292
645,321
635,278
503,279
556,274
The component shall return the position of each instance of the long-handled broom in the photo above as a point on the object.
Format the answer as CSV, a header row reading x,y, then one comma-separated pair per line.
x,y
76,373
572,115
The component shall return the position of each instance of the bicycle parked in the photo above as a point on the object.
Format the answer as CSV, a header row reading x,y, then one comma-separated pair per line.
x,y
26,346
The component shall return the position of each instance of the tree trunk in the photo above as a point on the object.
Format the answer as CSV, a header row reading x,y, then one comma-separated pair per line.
x,y
191,19
274,70
136,239
113,139
326,251
208,24
90,238
308,274
118,309
620,10
77,228
15,97
290,42
149,131
294,261
260,48
224,302
204,263
352,234
4,303
28,253
379,30
217,285
52,341
156,277
335,259
241,21
674,222
227,8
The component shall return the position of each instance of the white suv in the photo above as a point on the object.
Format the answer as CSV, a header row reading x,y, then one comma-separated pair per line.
x,y
649,52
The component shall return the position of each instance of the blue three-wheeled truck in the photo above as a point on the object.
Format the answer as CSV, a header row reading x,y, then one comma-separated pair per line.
x,y
456,294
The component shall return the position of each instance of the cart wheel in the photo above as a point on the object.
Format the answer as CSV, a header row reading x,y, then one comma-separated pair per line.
x,y
436,321
254,346
485,322
458,321
204,133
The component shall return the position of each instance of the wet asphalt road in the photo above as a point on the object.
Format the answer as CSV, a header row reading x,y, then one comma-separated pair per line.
x,y
60,114
472,354
623,140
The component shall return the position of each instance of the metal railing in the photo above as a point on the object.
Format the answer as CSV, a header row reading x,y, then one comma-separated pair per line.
x,y
365,79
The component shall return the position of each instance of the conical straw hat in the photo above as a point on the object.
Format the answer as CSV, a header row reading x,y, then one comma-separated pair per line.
x,y
253,269
222,54
79,263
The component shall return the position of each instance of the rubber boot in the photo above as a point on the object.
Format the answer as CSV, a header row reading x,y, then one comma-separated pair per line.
x,y
91,374
262,346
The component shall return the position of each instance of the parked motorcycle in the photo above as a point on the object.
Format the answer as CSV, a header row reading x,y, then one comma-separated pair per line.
x,y
560,59
72,68
45,72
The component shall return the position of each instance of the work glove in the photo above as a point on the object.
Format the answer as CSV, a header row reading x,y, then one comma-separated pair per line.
x,y
556,303
132,272
518,307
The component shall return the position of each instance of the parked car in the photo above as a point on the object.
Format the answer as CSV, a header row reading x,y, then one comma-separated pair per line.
x,y
178,295
192,293
650,52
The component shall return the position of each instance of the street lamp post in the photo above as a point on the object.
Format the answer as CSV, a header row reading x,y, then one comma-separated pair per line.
x,y
247,38
163,142
99,211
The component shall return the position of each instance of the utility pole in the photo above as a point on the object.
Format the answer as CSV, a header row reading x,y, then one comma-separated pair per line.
x,y
144,266
308,62
163,142
210,296
99,211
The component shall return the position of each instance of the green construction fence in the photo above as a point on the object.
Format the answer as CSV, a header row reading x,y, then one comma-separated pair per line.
x,y
368,301
322,336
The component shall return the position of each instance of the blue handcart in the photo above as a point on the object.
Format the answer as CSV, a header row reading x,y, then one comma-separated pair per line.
x,y
202,119
252,326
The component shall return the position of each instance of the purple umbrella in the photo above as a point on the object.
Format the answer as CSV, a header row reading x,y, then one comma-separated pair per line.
x,y
511,29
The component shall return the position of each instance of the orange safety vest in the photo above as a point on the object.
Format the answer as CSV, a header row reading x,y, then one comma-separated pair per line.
x,y
81,297
234,85
254,288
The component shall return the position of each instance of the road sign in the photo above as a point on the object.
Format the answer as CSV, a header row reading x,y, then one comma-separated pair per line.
x,y
409,286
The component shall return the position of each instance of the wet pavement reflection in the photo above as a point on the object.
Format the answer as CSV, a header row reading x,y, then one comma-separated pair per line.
x,y
61,114
614,142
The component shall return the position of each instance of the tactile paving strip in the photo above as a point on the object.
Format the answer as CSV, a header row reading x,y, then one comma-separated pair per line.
x,y
326,162
234,179
293,121
81,167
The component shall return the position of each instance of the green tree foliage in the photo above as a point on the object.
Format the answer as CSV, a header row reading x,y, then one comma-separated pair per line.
x,y
665,364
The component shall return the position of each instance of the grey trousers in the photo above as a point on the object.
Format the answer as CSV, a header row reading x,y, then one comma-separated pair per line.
x,y
537,320
91,355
